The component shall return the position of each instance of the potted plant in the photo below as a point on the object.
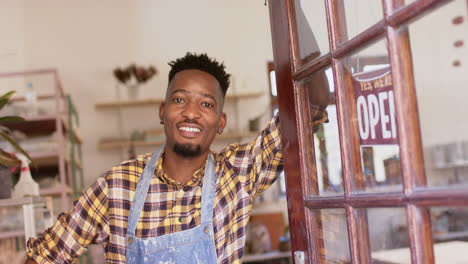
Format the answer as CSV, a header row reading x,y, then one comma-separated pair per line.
x,y
8,160
133,76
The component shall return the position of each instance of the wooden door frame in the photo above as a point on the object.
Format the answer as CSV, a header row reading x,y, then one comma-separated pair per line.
x,y
302,196
290,134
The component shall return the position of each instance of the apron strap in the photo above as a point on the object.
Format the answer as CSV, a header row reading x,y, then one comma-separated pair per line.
x,y
141,192
208,192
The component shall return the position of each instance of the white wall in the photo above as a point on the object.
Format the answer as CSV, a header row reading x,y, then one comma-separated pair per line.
x,y
12,45
440,86
86,40
12,28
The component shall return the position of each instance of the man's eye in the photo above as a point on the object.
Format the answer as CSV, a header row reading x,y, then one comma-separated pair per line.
x,y
178,100
207,105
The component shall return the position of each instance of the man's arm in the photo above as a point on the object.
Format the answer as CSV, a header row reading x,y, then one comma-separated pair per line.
x,y
262,158
259,162
266,157
84,224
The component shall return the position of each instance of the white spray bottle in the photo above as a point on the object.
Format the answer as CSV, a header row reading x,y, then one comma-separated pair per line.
x,y
26,185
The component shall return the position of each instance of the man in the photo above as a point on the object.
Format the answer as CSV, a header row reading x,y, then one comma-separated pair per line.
x,y
182,204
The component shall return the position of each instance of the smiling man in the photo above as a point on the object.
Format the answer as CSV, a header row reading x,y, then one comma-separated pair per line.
x,y
182,204
192,115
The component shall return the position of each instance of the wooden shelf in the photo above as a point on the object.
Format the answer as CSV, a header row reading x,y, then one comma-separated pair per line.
x,y
129,103
45,124
39,97
56,190
460,235
49,158
43,159
155,101
453,166
20,201
41,125
107,144
15,233
11,234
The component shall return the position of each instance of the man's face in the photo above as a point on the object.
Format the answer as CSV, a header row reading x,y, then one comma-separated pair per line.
x,y
192,112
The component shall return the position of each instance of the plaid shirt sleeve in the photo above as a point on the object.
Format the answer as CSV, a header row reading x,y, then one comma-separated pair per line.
x,y
86,223
261,159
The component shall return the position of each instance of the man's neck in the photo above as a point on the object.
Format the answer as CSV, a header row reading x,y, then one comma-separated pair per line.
x,y
179,168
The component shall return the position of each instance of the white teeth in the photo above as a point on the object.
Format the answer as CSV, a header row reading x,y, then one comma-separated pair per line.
x,y
189,129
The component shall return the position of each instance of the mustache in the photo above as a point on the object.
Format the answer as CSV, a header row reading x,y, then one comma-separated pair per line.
x,y
189,121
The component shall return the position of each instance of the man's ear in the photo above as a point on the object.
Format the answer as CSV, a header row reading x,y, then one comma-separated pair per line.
x,y
222,120
162,110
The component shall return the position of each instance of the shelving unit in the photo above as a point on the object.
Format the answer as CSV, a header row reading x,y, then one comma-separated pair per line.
x,y
65,156
122,143
453,166
44,124
20,219
29,206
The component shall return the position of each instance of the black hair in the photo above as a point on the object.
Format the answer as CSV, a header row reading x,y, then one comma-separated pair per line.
x,y
203,63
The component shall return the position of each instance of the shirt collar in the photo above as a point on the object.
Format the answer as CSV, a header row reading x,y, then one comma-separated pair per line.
x,y
196,178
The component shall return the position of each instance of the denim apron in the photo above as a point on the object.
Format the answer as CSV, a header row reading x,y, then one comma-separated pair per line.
x,y
195,245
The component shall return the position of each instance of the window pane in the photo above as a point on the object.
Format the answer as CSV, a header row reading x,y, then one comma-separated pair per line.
x,y
450,233
311,29
371,82
326,138
362,14
440,70
335,236
388,235
328,158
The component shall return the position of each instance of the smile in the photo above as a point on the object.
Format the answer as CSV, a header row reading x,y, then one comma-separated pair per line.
x,y
189,129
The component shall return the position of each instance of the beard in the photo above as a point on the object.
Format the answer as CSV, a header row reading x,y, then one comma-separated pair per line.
x,y
187,150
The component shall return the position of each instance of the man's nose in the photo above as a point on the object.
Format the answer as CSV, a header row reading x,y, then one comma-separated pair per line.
x,y
191,111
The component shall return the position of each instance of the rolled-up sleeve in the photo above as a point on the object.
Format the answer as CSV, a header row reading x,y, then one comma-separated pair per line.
x,y
267,157
259,161
86,223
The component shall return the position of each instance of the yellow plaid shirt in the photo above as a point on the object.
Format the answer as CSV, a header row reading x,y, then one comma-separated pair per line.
x,y
100,215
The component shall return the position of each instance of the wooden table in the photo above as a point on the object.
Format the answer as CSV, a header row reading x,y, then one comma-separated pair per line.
x,y
453,252
269,256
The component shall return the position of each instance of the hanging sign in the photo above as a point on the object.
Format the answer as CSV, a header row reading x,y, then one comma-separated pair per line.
x,y
375,107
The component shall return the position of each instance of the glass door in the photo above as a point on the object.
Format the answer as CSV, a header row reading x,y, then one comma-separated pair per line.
x,y
385,180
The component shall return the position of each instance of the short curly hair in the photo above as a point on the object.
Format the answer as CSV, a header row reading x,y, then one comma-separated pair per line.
x,y
203,63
